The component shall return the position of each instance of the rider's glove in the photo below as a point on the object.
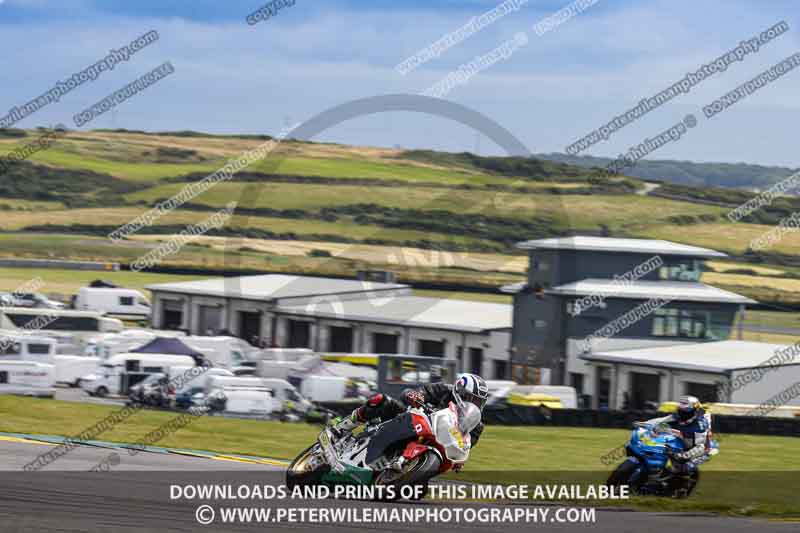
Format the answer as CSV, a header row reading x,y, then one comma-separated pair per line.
x,y
457,467
681,457
415,398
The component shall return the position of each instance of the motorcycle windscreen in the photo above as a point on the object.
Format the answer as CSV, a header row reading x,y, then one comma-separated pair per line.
x,y
398,429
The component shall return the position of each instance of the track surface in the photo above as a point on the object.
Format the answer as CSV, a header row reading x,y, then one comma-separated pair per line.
x,y
135,498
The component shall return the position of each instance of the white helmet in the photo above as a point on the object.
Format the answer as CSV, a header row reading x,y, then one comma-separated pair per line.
x,y
688,408
471,388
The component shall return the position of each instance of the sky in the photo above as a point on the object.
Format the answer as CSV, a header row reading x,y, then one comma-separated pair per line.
x,y
234,77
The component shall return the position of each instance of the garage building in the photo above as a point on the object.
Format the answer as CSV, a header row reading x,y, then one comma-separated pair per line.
x,y
732,371
341,316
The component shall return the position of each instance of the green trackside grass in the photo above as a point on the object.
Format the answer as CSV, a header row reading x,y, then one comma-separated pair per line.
x,y
734,482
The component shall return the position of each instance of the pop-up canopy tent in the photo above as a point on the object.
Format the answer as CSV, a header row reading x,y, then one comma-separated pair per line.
x,y
172,346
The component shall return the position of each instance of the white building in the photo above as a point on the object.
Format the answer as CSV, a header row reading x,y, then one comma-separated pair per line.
x,y
333,315
732,371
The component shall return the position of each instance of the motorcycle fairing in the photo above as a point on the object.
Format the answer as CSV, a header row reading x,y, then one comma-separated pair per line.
x,y
400,428
415,449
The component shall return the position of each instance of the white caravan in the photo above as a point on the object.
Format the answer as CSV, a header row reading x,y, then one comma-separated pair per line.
x,y
69,369
72,328
15,346
108,344
113,301
27,378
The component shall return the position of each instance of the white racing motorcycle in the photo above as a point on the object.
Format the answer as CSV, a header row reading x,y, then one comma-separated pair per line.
x,y
409,449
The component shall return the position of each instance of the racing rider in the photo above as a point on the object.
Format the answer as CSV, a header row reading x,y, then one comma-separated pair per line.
x,y
694,423
468,388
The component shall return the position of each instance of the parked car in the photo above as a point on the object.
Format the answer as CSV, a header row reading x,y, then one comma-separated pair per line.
x,y
31,300
191,397
152,391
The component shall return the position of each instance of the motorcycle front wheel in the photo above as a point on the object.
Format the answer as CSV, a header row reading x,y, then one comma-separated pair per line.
x,y
622,474
307,468
418,471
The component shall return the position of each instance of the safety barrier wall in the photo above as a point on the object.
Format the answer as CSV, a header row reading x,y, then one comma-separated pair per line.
x,y
514,415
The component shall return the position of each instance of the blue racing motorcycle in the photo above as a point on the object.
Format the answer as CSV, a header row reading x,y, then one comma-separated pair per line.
x,y
651,467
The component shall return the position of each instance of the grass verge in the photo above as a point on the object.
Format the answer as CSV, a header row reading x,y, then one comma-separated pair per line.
x,y
754,475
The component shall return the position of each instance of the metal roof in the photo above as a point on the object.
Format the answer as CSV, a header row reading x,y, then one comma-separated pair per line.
x,y
716,357
416,311
644,290
272,287
615,244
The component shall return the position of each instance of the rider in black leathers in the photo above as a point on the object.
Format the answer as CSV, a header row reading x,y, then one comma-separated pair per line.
x,y
469,387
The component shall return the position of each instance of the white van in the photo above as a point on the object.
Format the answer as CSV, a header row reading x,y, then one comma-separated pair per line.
x,y
197,381
287,395
228,382
225,352
113,301
324,388
245,400
109,375
27,378
72,369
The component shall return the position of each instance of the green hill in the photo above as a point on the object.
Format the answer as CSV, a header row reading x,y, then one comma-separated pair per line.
x,y
328,208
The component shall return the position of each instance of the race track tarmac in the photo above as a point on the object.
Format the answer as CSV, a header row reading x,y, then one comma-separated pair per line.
x,y
135,497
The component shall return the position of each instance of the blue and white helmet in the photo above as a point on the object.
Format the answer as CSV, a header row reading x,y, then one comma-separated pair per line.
x,y
688,409
471,388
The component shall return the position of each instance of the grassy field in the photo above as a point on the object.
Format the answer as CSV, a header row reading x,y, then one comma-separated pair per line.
x,y
69,281
730,238
773,319
425,205
258,256
574,211
505,454
470,296
301,228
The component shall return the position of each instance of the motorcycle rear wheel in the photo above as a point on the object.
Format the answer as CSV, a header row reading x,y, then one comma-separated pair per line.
x,y
302,471
417,472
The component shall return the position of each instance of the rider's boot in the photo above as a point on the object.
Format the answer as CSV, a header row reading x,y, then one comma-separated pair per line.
x,y
343,426
374,407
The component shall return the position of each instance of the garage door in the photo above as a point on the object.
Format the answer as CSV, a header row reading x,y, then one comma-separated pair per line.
x,y
171,314
385,343
209,319
341,339
430,348
250,326
299,334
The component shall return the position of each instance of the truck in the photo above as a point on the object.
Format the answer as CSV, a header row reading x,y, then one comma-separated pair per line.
x,y
117,373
